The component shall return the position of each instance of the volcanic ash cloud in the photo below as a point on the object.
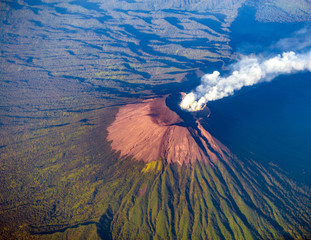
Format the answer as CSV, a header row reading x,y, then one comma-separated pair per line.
x,y
248,71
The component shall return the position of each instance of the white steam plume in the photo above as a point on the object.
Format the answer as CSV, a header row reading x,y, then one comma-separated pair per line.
x,y
248,71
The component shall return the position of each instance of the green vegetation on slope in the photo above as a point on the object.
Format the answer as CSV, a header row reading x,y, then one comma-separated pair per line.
x,y
229,200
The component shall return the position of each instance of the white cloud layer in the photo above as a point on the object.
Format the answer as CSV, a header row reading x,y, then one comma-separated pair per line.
x,y
248,71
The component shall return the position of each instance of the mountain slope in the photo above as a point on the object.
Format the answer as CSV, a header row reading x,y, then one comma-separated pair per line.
x,y
240,201
150,131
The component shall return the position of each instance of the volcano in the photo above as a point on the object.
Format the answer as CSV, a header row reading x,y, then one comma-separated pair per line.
x,y
191,186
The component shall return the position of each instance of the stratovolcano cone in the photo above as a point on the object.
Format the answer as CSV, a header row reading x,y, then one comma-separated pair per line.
x,y
202,191
158,129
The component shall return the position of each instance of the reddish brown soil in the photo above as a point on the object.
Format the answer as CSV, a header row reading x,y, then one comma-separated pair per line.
x,y
150,131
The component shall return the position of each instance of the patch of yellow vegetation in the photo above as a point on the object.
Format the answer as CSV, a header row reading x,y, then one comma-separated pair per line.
x,y
154,166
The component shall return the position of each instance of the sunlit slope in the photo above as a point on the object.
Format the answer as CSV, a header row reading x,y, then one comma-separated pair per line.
x,y
227,200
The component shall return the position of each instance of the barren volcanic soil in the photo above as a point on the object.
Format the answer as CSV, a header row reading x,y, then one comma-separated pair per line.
x,y
150,130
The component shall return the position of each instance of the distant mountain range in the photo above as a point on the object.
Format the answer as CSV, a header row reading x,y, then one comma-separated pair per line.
x,y
178,4
267,10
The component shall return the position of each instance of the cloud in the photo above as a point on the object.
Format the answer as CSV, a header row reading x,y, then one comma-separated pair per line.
x,y
248,71
298,41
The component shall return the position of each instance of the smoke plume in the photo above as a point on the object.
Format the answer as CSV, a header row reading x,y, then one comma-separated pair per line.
x,y
248,71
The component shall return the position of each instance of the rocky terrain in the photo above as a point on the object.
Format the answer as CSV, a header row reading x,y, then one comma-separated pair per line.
x,y
150,131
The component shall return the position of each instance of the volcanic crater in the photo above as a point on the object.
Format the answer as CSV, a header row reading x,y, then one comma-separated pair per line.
x,y
158,129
